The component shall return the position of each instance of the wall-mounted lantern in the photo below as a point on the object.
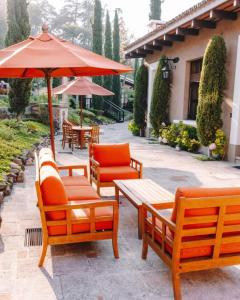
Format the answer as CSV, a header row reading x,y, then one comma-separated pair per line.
x,y
169,66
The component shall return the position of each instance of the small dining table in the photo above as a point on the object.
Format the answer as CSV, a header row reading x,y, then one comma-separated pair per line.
x,y
82,130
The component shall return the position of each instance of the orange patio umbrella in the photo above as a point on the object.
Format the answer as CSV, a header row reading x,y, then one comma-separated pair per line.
x,y
81,87
47,56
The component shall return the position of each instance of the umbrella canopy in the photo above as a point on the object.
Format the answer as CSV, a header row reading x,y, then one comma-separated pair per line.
x,y
81,87
48,56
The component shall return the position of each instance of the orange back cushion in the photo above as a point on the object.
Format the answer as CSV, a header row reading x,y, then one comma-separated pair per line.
x,y
111,155
47,160
53,191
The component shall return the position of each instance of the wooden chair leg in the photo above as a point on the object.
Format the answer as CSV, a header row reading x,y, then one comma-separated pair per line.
x,y
176,286
144,248
115,246
43,254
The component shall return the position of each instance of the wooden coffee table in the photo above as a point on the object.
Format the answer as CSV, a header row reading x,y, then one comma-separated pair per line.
x,y
138,191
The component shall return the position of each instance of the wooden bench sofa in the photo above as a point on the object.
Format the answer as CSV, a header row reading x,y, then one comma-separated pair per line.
x,y
202,232
109,162
71,210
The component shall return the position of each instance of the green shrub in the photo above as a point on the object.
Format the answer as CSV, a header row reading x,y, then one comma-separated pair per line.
x,y
220,144
132,126
181,135
211,89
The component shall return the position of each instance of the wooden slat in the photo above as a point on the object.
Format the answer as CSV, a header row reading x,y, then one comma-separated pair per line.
x,y
198,243
198,231
232,217
200,220
219,232
231,228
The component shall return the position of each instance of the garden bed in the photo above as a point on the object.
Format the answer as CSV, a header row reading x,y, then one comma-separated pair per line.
x,y
18,139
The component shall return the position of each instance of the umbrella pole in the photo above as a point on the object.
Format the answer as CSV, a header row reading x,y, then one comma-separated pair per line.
x,y
50,110
81,111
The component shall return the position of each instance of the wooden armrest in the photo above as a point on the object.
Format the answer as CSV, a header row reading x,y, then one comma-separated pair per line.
x,y
136,164
81,204
94,162
136,161
74,167
167,205
154,212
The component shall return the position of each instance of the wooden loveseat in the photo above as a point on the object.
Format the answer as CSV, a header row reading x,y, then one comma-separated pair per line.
x,y
71,210
110,162
202,232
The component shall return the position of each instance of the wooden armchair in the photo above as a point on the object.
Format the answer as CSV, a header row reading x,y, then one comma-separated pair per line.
x,y
72,214
69,136
203,232
112,162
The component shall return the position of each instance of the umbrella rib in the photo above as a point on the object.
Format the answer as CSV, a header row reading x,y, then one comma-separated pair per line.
x,y
24,72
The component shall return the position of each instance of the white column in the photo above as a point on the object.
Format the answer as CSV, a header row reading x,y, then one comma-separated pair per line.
x,y
152,68
235,124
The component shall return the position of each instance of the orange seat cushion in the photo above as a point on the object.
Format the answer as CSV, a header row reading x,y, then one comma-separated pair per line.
x,y
81,214
112,154
194,212
113,173
81,193
78,180
52,190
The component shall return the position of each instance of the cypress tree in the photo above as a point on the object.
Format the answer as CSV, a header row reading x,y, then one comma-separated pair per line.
x,y
155,9
136,66
116,56
140,100
18,30
97,47
211,89
160,99
108,51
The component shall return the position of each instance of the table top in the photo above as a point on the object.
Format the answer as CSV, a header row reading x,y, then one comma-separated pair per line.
x,y
79,128
145,190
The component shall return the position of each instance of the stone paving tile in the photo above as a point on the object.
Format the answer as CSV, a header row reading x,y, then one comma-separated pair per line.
x,y
88,270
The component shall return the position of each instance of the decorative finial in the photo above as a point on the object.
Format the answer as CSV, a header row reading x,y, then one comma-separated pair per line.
x,y
45,28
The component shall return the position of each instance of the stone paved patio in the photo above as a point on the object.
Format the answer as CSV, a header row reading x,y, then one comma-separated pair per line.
x,y
89,271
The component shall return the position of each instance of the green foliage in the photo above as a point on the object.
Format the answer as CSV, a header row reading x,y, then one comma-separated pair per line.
x,y
181,135
132,126
204,158
140,101
159,112
136,66
97,27
211,89
116,85
97,47
108,52
220,144
18,30
155,9
15,137
3,23
4,101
